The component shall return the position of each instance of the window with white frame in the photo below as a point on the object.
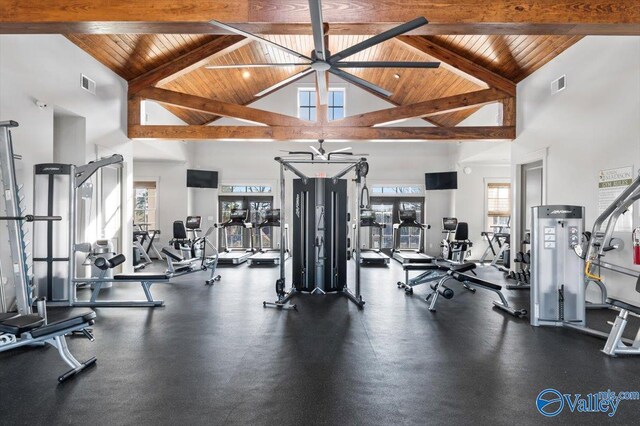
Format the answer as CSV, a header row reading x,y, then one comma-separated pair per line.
x,y
498,204
307,104
145,201
397,190
246,189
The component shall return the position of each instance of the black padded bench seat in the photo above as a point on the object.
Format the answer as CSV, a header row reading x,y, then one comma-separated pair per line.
x,y
421,266
21,324
58,322
142,276
622,305
475,280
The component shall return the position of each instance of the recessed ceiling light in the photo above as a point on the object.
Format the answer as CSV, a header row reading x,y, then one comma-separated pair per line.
x,y
246,74
396,76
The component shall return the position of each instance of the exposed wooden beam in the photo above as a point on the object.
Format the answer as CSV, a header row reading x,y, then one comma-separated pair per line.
x,y
355,28
423,109
133,112
186,63
345,16
220,108
317,132
461,63
509,112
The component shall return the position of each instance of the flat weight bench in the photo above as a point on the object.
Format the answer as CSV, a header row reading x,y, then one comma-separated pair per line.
x,y
33,330
457,272
615,345
431,272
145,279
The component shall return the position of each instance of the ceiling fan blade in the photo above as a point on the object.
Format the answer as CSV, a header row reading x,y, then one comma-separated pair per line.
x,y
258,39
315,9
279,64
383,64
323,90
377,39
318,153
285,82
335,151
360,82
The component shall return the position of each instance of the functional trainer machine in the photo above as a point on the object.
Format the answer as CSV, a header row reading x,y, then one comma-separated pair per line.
x,y
269,256
409,219
230,255
57,191
320,230
24,327
372,256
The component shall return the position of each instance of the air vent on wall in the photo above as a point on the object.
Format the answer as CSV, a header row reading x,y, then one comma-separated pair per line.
x,y
558,85
87,84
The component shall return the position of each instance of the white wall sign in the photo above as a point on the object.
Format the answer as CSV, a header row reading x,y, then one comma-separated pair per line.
x,y
611,183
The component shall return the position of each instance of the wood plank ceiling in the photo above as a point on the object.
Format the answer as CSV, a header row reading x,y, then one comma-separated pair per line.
x,y
513,57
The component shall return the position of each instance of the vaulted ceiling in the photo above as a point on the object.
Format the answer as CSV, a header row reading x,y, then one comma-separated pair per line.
x,y
512,57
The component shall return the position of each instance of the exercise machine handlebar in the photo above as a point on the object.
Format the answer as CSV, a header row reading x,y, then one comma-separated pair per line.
x,y
32,218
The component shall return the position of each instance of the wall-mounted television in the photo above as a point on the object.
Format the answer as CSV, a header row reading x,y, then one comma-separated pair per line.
x,y
438,181
202,179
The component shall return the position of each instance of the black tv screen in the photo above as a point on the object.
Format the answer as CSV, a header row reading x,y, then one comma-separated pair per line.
x,y
437,181
202,179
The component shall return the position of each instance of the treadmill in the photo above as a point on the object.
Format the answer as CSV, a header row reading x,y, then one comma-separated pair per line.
x,y
409,219
234,256
371,256
269,256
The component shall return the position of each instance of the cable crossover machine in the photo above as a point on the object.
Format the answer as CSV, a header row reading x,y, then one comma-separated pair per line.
x,y
320,243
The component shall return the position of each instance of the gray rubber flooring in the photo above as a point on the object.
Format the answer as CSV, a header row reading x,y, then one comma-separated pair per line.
x,y
214,355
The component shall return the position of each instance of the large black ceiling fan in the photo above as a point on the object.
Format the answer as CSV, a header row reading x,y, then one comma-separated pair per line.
x,y
322,61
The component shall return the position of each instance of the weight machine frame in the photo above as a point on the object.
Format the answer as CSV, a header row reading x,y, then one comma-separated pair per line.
x,y
360,166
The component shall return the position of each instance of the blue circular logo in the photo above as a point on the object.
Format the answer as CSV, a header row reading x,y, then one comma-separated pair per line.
x,y
550,402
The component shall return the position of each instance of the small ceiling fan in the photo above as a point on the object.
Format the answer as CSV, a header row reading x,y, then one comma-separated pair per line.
x,y
320,152
323,154
322,61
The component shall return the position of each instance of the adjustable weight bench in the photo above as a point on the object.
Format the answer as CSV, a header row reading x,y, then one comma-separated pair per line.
x,y
457,272
145,279
432,272
33,330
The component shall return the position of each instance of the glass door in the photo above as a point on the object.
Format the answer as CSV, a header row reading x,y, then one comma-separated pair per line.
x,y
240,237
257,208
388,213
381,239
235,234
410,237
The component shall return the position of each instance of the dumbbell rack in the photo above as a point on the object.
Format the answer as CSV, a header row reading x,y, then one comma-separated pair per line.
x,y
16,231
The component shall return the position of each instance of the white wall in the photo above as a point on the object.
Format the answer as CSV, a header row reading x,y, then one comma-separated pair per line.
x,y
470,200
171,178
48,68
487,162
592,125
